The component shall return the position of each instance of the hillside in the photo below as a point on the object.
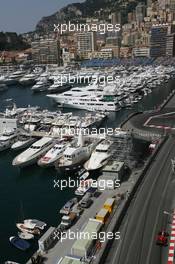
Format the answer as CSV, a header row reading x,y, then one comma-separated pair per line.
x,y
90,8
11,41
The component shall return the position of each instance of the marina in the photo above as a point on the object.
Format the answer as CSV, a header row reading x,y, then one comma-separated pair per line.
x,y
35,123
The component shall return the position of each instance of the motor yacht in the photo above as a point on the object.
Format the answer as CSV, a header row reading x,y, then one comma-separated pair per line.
x,y
42,85
36,223
33,153
23,142
32,123
53,154
93,98
58,87
15,77
91,120
73,121
28,79
99,157
7,139
25,235
77,153
31,229
84,186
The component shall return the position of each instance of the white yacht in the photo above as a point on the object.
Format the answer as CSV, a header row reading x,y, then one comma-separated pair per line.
x,y
73,121
7,139
42,85
22,143
53,154
92,98
58,87
34,222
99,157
32,123
83,187
28,79
77,153
33,153
15,76
91,120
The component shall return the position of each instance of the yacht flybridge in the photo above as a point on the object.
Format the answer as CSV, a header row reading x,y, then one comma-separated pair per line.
x,y
33,153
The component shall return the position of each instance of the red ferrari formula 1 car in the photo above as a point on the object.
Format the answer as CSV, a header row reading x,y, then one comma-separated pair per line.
x,y
162,238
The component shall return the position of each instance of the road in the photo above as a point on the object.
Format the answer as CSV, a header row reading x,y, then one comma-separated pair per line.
x,y
145,217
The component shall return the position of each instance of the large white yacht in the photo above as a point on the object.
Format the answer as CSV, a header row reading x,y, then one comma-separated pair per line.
x,y
53,154
77,153
7,139
92,97
99,157
33,153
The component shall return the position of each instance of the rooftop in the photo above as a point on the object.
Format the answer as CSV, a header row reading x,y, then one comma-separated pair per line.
x,y
114,166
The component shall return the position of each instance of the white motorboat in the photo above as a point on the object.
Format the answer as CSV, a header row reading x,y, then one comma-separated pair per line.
x,y
31,123
31,229
58,87
42,85
33,153
14,77
73,121
91,120
25,235
7,139
99,157
28,79
84,186
34,222
53,154
66,209
23,142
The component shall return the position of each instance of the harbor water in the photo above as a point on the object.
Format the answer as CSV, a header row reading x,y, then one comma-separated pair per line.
x,y
30,192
